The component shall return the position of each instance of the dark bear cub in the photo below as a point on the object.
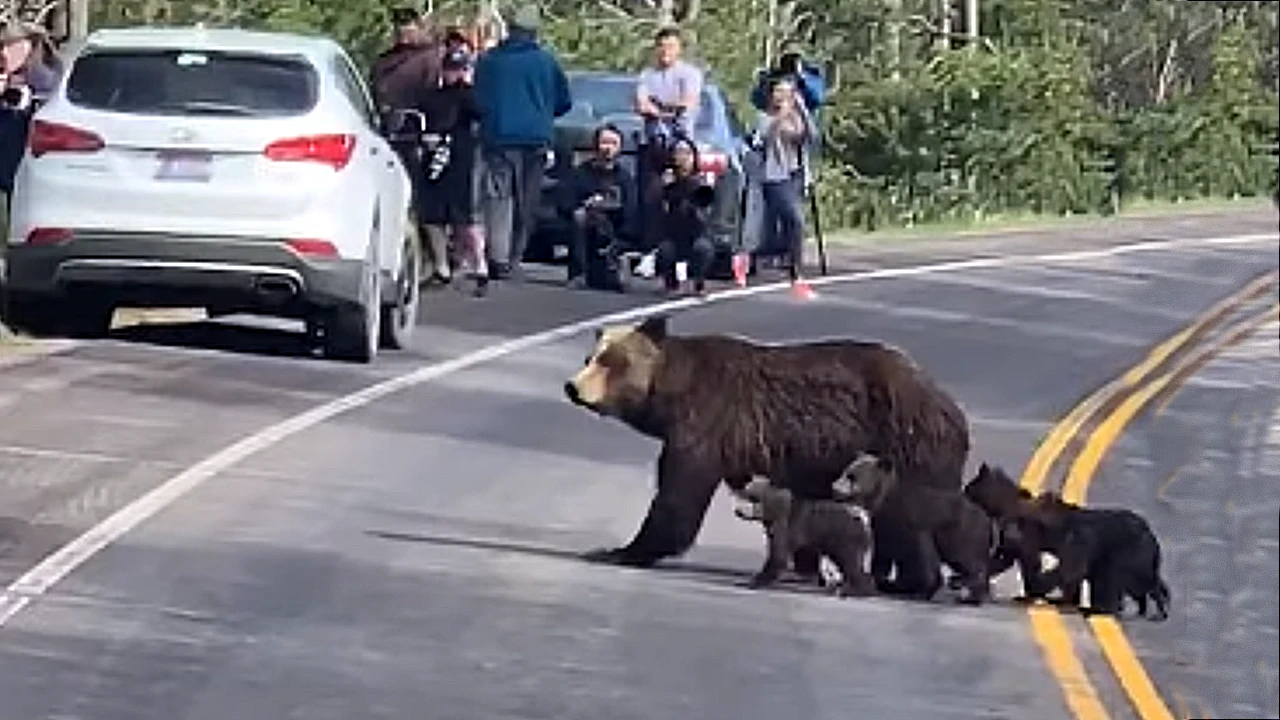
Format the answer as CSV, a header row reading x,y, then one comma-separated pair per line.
x,y
830,528
1114,549
1005,501
943,524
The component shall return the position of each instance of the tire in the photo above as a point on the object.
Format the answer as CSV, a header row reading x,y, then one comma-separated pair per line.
x,y
43,315
352,333
401,316
31,314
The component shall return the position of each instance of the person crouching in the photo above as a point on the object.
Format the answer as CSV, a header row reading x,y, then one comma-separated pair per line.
x,y
599,199
682,225
449,202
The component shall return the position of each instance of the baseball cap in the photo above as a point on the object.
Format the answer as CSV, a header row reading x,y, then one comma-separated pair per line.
x,y
527,17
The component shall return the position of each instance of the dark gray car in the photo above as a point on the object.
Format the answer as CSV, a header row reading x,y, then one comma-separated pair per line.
x,y
607,97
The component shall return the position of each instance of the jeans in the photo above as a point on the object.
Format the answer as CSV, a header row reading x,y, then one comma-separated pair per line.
x,y
510,192
783,206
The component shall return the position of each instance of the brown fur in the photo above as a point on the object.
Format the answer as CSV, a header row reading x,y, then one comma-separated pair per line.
x,y
941,523
835,529
728,408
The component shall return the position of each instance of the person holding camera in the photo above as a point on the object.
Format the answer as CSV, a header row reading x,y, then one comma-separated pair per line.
x,y
399,76
29,72
806,77
599,198
783,136
449,202
682,224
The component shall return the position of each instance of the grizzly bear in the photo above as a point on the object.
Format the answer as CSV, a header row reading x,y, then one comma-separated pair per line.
x,y
727,408
1114,549
834,529
942,522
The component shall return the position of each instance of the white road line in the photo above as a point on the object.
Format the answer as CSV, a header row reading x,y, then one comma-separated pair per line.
x,y
51,570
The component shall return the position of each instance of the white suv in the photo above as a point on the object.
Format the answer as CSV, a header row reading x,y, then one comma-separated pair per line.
x,y
240,171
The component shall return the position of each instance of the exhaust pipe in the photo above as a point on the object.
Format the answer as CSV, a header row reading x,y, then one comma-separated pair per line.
x,y
276,289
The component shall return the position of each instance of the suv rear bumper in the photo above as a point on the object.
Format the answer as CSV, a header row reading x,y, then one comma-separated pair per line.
x,y
162,269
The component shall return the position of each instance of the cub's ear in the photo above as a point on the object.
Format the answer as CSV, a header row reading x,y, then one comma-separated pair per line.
x,y
599,333
654,327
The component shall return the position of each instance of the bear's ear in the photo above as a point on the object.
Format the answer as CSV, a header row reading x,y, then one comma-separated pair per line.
x,y
599,334
654,327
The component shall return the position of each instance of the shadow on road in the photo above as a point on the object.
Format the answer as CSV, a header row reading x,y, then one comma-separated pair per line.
x,y
711,574
222,336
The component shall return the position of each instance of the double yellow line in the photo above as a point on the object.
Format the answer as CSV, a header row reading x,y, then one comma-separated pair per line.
x,y
1113,406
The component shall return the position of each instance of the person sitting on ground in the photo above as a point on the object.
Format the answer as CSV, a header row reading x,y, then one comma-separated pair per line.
x,y
600,200
682,225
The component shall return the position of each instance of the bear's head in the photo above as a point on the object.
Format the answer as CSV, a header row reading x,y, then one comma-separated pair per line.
x,y
867,481
616,378
997,494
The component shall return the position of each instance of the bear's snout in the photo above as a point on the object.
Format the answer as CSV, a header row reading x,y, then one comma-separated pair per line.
x,y
571,392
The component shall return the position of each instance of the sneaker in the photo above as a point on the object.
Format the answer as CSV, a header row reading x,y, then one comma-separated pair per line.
x,y
801,290
482,287
577,282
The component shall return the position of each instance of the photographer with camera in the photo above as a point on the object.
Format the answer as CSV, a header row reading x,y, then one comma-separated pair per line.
x,y
684,199
449,203
783,136
599,197
806,77
29,72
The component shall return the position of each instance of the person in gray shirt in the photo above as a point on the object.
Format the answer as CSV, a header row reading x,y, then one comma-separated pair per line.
x,y
669,92
668,96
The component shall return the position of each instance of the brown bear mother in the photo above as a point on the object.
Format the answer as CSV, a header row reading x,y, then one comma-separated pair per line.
x,y
726,408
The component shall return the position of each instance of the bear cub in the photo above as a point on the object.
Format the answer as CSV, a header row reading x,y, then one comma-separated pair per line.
x,y
1114,549
944,525
832,529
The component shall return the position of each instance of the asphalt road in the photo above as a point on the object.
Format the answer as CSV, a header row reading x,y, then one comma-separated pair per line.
x,y
415,557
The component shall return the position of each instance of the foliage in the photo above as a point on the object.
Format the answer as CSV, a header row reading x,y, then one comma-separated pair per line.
x,y
1064,106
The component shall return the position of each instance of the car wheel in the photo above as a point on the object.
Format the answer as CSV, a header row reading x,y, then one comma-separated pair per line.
x,y
353,331
42,315
87,318
400,317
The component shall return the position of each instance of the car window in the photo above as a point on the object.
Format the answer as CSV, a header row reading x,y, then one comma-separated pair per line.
x,y
182,82
350,85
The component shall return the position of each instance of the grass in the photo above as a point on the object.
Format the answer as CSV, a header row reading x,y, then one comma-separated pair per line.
x,y
1028,222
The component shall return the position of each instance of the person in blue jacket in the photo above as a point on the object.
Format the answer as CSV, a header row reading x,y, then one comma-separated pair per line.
x,y
806,77
520,89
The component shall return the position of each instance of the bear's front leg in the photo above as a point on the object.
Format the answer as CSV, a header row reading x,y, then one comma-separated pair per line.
x,y
685,489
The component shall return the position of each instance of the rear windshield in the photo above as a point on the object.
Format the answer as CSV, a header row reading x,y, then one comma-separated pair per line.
x,y
177,82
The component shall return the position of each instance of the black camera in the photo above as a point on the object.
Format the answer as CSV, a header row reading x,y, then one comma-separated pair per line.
x,y
704,196
12,98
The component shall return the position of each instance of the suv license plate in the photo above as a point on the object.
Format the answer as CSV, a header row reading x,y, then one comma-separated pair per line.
x,y
183,166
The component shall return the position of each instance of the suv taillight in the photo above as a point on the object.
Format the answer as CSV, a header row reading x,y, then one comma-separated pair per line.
x,y
333,150
50,137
